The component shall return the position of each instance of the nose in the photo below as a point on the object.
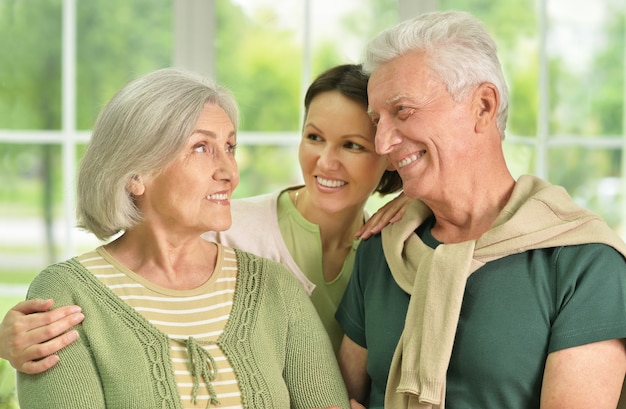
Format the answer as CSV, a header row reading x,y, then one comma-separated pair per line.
x,y
226,168
387,136
328,159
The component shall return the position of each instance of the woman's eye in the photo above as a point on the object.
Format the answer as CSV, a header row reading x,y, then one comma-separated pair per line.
x,y
314,137
200,148
231,148
355,146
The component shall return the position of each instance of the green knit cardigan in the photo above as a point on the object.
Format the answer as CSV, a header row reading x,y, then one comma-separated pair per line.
x,y
274,340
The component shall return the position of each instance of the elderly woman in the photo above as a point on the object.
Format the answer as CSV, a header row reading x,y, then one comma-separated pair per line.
x,y
174,320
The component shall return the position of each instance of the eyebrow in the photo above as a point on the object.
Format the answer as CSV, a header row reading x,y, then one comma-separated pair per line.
x,y
212,134
395,99
312,125
389,101
356,135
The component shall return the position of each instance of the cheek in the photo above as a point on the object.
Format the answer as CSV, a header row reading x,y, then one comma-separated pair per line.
x,y
306,158
370,170
236,178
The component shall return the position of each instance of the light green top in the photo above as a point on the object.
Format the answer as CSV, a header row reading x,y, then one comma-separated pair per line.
x,y
269,225
303,240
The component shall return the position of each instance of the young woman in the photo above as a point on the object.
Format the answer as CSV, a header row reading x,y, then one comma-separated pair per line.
x,y
312,229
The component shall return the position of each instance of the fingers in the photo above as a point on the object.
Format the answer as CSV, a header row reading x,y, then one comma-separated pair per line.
x,y
34,305
42,326
391,212
30,334
34,367
32,361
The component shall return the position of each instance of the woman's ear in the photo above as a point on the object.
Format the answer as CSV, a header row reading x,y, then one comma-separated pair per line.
x,y
135,185
486,103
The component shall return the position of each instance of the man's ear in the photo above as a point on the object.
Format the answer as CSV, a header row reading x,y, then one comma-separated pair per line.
x,y
135,185
486,103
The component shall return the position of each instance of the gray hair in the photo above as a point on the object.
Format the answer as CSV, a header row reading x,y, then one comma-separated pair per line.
x,y
139,132
463,53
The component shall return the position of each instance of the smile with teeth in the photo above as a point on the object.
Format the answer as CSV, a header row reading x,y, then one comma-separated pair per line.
x,y
218,196
330,182
410,159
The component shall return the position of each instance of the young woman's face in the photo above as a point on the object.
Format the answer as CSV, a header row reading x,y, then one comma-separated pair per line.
x,y
193,193
337,153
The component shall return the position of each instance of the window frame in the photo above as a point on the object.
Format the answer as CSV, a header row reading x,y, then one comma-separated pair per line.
x,y
191,37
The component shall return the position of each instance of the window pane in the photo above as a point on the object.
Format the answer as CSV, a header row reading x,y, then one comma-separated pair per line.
x,y
592,177
259,57
117,40
586,51
341,29
520,158
29,205
266,168
30,72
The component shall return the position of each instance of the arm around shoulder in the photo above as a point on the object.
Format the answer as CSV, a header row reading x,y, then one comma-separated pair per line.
x,y
74,382
31,333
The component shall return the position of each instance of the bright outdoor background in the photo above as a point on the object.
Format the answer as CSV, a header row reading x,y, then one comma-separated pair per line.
x,y
61,60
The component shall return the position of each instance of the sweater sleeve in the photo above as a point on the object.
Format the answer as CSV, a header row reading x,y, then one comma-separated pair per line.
x,y
72,383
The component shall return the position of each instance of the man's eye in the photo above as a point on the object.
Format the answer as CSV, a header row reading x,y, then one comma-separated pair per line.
x,y
404,111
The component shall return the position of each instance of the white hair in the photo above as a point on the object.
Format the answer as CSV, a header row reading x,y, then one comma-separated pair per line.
x,y
463,53
139,132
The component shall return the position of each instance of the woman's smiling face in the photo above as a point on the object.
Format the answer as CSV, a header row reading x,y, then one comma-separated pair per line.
x,y
337,153
194,191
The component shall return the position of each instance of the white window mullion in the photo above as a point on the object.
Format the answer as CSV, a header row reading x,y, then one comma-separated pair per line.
x,y
68,123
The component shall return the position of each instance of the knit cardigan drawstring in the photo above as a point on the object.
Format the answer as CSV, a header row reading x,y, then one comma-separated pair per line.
x,y
202,365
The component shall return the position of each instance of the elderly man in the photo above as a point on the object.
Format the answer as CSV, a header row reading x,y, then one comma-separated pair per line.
x,y
491,292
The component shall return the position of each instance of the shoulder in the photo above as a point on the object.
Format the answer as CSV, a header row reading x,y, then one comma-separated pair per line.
x,y
371,247
590,254
67,270
59,280
370,262
372,242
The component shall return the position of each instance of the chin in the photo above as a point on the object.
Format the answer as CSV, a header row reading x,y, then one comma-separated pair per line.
x,y
221,228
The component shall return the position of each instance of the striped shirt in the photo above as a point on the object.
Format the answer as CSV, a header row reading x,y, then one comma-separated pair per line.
x,y
201,313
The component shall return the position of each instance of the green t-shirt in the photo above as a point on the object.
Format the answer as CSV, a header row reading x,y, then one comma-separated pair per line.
x,y
515,311
303,241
